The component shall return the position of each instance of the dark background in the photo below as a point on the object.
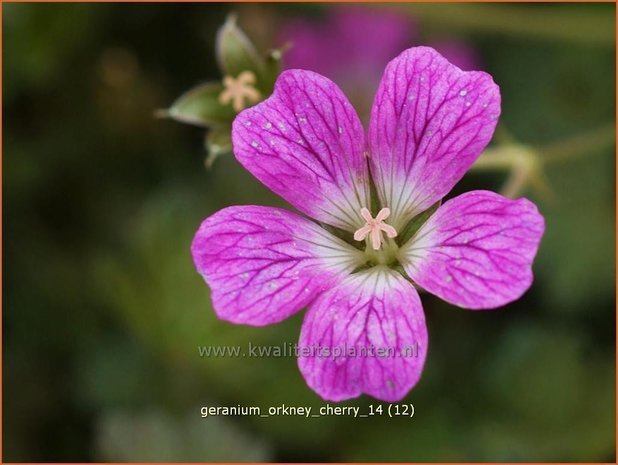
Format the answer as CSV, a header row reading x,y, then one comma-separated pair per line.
x,y
103,310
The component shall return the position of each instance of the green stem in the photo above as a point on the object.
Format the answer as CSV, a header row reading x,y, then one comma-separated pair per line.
x,y
504,157
594,24
524,164
509,156
589,142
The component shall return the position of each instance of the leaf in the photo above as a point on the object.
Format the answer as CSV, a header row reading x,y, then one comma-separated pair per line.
x,y
200,106
236,53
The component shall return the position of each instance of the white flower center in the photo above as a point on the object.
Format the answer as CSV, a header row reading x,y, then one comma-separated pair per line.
x,y
374,227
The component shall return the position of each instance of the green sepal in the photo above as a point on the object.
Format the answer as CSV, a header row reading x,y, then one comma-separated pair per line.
x,y
200,106
236,53
217,142
345,236
272,69
415,224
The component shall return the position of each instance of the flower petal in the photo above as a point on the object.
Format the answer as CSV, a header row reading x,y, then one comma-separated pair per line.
x,y
430,121
366,335
264,264
343,45
306,144
476,250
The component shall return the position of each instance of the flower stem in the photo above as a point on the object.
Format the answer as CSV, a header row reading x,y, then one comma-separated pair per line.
x,y
525,163
591,25
589,142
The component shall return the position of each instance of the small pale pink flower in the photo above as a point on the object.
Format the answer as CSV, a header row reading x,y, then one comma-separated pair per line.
x,y
237,90
430,121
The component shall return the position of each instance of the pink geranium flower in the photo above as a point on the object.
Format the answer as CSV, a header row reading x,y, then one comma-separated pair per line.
x,y
430,121
352,44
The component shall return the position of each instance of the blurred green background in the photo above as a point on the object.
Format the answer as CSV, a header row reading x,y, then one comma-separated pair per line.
x,y
103,311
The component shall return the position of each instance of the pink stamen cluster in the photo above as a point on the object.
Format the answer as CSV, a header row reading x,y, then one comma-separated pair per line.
x,y
375,227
